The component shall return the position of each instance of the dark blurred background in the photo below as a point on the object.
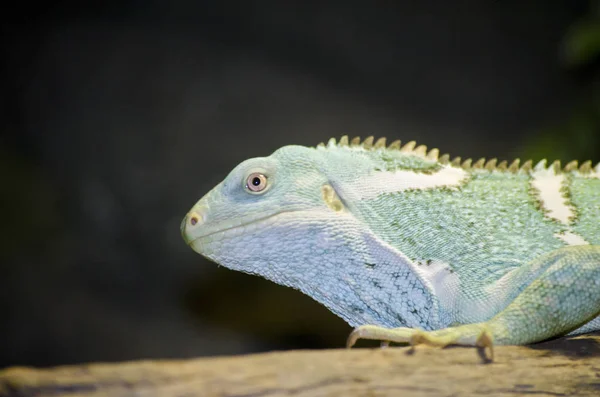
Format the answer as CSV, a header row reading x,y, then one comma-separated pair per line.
x,y
118,115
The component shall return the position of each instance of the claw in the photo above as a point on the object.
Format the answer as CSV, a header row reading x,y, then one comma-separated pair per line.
x,y
353,337
484,341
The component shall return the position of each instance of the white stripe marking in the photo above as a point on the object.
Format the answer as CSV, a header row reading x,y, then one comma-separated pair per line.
x,y
401,180
571,238
549,185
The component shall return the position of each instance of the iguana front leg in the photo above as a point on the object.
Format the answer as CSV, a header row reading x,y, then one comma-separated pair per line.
x,y
564,297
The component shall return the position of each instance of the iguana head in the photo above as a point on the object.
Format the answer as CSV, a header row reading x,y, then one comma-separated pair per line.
x,y
268,214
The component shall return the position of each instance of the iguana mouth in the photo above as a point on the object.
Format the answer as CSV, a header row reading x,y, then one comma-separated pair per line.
x,y
230,231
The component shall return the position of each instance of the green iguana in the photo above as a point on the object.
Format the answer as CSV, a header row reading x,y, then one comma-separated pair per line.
x,y
409,246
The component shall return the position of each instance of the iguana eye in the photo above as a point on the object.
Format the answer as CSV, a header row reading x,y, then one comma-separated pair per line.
x,y
256,182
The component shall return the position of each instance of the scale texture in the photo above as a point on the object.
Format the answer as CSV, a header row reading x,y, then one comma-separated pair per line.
x,y
410,246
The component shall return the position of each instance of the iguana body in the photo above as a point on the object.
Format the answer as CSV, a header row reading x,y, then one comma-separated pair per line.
x,y
397,237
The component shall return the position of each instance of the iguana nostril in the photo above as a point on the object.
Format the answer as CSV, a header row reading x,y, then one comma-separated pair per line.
x,y
195,218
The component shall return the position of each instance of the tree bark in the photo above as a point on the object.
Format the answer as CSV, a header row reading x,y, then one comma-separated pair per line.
x,y
566,366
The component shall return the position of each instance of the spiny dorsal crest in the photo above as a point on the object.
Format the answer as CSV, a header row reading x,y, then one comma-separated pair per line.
x,y
412,148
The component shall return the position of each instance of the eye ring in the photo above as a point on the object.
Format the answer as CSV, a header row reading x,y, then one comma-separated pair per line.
x,y
256,182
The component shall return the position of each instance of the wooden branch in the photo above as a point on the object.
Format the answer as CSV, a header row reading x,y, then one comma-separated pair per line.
x,y
567,366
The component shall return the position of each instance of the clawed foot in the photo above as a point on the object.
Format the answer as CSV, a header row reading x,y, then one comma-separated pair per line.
x,y
468,335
